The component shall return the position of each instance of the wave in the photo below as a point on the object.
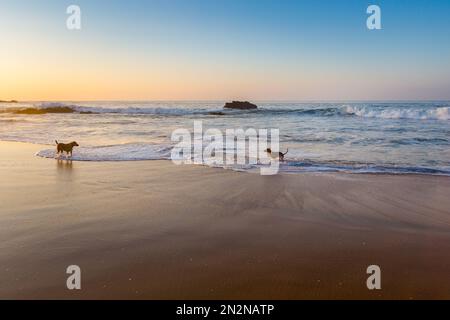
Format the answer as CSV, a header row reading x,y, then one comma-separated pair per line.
x,y
11,120
434,113
413,112
56,107
373,111
139,152
296,166
124,152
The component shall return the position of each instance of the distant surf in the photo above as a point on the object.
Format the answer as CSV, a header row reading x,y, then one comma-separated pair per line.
x,y
414,112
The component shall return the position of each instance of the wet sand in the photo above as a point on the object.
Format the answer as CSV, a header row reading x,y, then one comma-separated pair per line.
x,y
153,230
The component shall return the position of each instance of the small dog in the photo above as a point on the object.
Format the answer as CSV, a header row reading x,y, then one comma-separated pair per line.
x,y
280,154
61,147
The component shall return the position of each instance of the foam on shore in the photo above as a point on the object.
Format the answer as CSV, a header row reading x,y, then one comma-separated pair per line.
x,y
142,151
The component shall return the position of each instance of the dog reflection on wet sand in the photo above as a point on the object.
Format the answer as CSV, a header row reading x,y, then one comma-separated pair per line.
x,y
64,165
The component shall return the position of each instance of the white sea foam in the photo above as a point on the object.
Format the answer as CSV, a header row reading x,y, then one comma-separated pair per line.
x,y
438,113
443,113
137,152
125,152
417,112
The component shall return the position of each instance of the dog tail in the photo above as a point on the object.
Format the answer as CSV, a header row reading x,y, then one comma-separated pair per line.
x,y
287,150
56,141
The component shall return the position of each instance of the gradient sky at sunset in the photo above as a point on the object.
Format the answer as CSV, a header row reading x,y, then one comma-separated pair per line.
x,y
224,49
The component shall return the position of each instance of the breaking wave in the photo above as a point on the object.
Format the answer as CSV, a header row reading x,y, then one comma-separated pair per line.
x,y
414,112
435,113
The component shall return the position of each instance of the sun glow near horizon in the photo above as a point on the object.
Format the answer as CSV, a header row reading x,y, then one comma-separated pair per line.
x,y
259,50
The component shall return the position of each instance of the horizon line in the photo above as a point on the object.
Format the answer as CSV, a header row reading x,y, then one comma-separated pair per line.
x,y
221,100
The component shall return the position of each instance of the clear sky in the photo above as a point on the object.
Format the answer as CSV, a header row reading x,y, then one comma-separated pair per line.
x,y
225,49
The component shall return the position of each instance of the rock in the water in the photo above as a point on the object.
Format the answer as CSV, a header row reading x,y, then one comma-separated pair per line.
x,y
241,105
216,113
45,110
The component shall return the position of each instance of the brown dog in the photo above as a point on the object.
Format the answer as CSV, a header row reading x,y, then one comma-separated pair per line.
x,y
63,147
280,154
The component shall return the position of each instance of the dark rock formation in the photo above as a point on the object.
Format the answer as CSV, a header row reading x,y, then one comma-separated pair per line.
x,y
45,110
51,110
240,105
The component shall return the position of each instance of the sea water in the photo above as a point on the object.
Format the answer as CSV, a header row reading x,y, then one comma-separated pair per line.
x,y
356,137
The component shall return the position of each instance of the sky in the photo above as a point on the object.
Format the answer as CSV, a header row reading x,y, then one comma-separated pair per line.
x,y
225,49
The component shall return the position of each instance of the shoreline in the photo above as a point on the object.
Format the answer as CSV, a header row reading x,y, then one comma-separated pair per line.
x,y
152,230
319,172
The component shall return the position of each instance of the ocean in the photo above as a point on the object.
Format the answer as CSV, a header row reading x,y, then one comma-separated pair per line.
x,y
353,137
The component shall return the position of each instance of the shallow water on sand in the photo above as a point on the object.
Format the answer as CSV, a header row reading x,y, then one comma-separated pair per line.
x,y
401,137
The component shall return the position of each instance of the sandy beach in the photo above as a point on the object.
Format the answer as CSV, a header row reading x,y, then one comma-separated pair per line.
x,y
153,230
